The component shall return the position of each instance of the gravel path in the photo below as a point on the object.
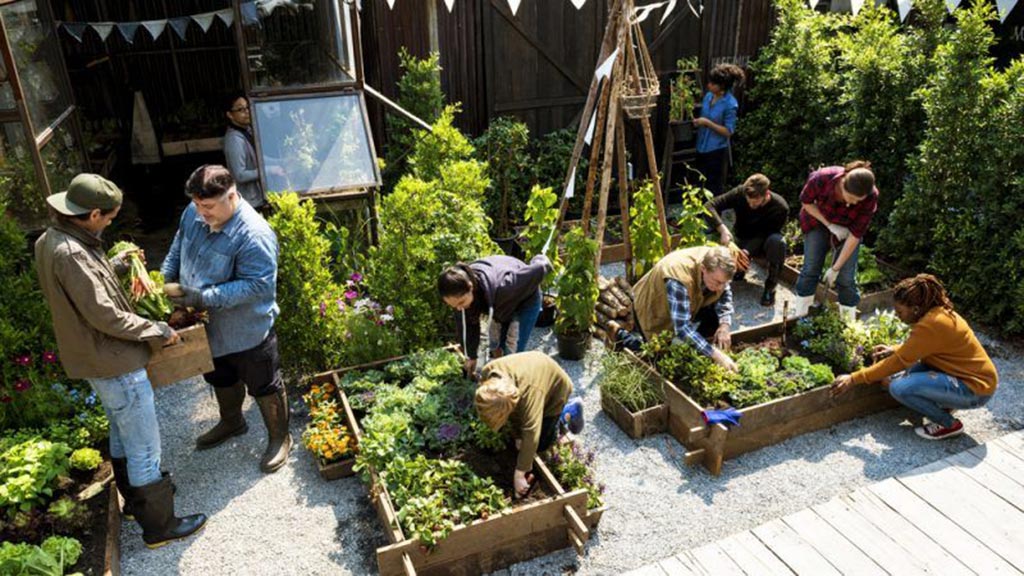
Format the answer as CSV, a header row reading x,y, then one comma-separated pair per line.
x,y
292,522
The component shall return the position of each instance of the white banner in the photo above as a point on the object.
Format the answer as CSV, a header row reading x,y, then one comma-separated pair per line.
x,y
671,7
578,3
227,16
450,4
128,30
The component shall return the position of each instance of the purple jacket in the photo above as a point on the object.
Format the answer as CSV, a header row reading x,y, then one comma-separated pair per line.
x,y
503,283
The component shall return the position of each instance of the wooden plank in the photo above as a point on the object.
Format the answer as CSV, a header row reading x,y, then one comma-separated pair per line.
x,y
798,554
881,548
753,556
998,456
915,542
112,546
946,533
991,478
1014,442
713,560
993,521
839,551
678,566
649,570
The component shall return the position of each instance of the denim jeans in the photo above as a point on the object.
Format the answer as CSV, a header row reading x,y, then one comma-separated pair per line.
x,y
772,248
816,247
526,318
930,392
134,431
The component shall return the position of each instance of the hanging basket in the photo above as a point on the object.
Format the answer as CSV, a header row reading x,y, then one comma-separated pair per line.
x,y
640,87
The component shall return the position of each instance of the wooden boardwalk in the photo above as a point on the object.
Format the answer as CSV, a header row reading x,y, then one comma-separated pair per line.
x,y
960,515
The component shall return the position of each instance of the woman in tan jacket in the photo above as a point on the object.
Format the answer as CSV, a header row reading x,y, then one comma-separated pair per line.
x,y
946,367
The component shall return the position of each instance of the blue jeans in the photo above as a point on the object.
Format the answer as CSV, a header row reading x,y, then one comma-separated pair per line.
x,y
526,315
930,392
816,247
134,432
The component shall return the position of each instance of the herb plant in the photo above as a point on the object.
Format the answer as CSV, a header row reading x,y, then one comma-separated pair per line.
x,y
577,287
628,383
645,230
685,90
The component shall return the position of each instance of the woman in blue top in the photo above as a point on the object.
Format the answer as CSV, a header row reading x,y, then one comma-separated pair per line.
x,y
716,124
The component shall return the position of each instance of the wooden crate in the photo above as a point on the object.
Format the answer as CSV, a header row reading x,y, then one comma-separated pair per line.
x,y
486,545
636,425
190,357
869,302
764,424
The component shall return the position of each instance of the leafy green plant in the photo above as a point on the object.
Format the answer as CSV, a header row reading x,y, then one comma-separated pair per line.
x,y
504,146
645,230
86,459
846,346
419,92
690,224
572,466
686,91
577,287
68,515
628,383
553,151
541,217
50,559
28,474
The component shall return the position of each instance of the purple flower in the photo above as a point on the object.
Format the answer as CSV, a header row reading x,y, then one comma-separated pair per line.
x,y
49,357
356,277
25,360
341,304
389,310
22,385
448,432
323,309
351,294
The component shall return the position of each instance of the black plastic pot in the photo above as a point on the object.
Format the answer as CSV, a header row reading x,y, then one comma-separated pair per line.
x,y
682,131
510,246
547,312
573,346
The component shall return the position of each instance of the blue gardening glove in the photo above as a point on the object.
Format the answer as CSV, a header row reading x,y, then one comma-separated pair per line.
x,y
190,298
572,415
729,416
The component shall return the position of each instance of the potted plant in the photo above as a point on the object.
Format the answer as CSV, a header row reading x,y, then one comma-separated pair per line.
x,y
577,295
541,217
684,98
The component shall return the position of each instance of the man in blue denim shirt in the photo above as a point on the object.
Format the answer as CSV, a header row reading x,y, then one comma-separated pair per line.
x,y
225,257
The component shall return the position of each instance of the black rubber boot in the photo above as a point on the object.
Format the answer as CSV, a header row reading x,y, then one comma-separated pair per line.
x,y
154,510
120,466
768,298
274,408
232,422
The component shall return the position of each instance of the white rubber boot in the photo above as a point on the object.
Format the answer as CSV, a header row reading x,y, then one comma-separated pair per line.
x,y
801,305
848,313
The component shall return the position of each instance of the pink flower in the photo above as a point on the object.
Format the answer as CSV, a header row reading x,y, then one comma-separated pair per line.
x,y
25,360
356,277
5,399
323,309
341,305
49,357
22,385
351,294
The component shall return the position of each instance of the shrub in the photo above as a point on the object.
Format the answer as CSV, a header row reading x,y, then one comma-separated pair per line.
x,y
577,287
505,149
685,90
541,217
419,92
553,151
645,230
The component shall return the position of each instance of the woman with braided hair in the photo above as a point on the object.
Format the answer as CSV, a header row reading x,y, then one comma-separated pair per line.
x,y
946,367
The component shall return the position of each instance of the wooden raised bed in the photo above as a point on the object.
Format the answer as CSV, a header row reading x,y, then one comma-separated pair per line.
x,y
764,424
112,548
636,425
341,468
869,301
520,534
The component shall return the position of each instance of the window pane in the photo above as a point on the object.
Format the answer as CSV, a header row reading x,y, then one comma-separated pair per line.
x,y
299,43
19,187
61,157
314,143
37,55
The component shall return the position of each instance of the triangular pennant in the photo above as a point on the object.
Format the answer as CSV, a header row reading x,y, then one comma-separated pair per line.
x,y
642,12
75,29
570,190
952,5
128,30
155,28
1005,7
180,25
204,20
904,8
513,5
578,3
606,67
856,5
103,29
450,4
227,16
250,14
590,128
391,4
671,7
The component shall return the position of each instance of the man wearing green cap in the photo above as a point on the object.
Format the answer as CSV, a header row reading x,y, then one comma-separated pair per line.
x,y
103,341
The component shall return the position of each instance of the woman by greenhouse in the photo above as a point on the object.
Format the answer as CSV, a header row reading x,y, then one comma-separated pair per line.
x,y
716,125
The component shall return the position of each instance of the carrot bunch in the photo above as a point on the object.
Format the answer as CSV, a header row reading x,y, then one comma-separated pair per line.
x,y
144,288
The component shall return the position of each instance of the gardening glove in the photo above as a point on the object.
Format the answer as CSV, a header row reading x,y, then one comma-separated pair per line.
x,y
521,482
830,277
729,416
838,231
190,297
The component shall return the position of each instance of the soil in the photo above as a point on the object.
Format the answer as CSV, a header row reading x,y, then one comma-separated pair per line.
x,y
498,467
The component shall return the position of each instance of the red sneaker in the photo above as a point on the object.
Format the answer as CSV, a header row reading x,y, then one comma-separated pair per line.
x,y
933,431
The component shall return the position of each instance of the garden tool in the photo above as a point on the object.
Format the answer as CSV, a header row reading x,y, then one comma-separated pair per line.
x,y
154,510
572,416
274,408
729,416
232,422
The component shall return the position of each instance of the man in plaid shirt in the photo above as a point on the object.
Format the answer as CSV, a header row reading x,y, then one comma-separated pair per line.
x,y
838,203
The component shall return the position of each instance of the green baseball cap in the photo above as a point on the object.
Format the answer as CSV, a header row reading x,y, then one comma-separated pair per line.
x,y
85,193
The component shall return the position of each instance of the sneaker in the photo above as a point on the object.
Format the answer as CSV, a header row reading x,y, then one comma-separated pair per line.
x,y
933,431
572,415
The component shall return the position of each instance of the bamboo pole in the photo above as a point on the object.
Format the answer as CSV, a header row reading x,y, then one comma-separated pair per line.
x,y
602,111
652,162
609,147
620,148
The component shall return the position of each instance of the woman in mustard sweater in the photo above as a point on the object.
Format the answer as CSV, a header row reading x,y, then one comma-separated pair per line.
x,y
946,367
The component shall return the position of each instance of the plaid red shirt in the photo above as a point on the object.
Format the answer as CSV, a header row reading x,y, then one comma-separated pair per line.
x,y
820,191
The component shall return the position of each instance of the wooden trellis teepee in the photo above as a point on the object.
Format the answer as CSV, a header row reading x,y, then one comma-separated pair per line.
x,y
628,90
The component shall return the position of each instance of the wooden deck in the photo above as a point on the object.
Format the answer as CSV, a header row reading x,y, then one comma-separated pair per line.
x,y
960,515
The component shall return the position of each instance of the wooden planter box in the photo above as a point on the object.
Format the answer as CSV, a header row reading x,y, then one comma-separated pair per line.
x,y
636,425
112,549
869,301
341,468
487,545
764,424
190,357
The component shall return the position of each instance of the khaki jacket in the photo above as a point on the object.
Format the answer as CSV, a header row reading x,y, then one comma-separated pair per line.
x,y
98,334
651,302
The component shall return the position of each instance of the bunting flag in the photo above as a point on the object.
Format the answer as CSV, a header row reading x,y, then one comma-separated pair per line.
x,y
75,30
513,5
578,3
391,4
904,8
128,30
605,69
204,21
180,26
590,128
103,29
449,3
570,190
671,7
952,5
227,16
155,28
856,5
1004,7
